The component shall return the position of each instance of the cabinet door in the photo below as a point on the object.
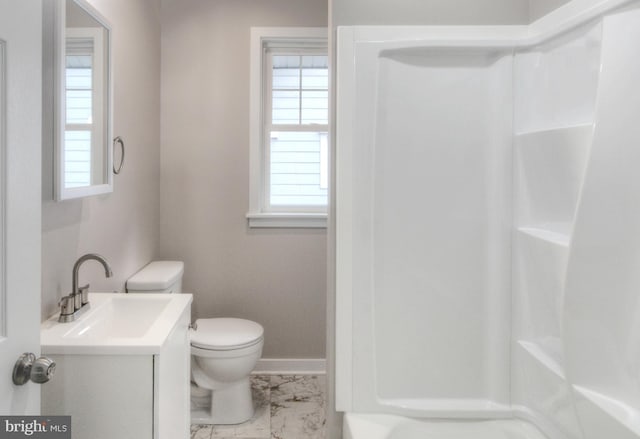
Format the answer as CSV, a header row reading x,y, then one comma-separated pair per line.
x,y
107,396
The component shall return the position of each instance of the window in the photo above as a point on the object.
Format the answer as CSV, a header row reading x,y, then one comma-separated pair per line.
x,y
289,127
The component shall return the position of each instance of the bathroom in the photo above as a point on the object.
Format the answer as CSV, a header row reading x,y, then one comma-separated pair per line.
x,y
184,190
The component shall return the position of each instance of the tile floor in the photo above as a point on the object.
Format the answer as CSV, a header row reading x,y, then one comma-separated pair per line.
x,y
287,407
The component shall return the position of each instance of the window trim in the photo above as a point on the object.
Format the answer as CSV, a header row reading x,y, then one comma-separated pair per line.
x,y
257,215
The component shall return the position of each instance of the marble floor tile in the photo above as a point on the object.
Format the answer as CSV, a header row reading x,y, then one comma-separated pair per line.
x,y
201,431
297,407
287,407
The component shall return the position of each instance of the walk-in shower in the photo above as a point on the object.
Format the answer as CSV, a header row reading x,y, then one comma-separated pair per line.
x,y
488,227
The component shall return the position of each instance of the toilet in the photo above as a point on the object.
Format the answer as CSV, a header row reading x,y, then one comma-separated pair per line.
x,y
224,351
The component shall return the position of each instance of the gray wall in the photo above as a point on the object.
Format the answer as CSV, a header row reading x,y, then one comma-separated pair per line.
x,y
122,226
275,277
411,12
538,8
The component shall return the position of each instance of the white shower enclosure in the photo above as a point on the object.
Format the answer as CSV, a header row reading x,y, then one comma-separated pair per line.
x,y
488,221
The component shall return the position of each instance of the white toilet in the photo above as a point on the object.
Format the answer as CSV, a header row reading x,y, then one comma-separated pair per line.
x,y
224,351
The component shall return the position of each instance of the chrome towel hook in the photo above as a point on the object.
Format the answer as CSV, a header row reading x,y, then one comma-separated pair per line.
x,y
117,169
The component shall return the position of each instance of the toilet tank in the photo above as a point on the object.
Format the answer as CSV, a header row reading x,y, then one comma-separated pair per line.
x,y
158,277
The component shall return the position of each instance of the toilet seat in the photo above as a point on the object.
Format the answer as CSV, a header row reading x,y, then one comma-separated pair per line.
x,y
224,334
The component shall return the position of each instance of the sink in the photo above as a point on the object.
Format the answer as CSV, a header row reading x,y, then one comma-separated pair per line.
x,y
116,323
121,317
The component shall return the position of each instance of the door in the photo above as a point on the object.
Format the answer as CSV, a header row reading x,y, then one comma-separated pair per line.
x,y
20,206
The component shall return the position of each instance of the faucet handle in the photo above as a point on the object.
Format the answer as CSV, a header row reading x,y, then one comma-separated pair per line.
x,y
67,306
84,293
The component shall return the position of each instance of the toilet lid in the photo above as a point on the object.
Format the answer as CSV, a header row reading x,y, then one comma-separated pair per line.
x,y
225,333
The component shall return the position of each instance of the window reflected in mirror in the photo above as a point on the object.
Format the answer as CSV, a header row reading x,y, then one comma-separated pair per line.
x,y
79,115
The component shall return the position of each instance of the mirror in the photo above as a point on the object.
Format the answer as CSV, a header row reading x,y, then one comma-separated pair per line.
x,y
83,123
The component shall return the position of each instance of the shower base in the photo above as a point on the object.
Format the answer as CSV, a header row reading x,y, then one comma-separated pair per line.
x,y
381,426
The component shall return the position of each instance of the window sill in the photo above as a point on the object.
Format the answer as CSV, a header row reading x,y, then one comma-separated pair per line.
x,y
287,220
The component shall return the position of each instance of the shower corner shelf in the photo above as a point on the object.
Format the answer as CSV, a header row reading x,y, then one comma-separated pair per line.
x,y
560,130
543,357
608,409
558,233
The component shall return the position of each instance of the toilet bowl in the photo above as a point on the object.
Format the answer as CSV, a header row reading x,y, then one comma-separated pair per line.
x,y
224,351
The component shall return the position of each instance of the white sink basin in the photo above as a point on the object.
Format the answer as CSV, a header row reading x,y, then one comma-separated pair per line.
x,y
121,317
116,324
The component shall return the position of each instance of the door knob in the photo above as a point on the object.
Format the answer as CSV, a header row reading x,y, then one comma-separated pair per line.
x,y
28,367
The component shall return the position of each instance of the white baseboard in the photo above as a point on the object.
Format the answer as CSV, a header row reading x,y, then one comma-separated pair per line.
x,y
291,366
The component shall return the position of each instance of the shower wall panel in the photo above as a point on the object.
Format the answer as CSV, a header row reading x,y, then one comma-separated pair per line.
x,y
555,87
555,98
425,177
602,294
441,146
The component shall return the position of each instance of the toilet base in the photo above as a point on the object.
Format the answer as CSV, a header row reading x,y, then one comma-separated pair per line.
x,y
231,404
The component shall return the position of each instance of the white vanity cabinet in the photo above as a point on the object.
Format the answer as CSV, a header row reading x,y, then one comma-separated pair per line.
x,y
125,391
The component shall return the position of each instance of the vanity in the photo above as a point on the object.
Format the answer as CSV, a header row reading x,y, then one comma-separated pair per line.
x,y
123,367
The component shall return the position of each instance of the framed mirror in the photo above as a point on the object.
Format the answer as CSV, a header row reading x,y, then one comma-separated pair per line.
x,y
82,101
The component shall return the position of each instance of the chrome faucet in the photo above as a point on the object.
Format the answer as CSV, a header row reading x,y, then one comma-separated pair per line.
x,y
79,298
